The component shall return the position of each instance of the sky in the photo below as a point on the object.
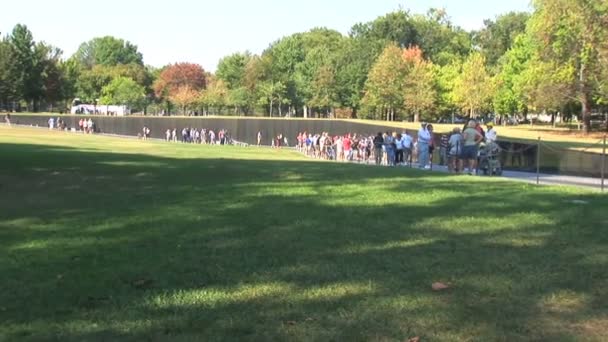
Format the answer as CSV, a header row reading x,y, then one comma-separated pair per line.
x,y
204,31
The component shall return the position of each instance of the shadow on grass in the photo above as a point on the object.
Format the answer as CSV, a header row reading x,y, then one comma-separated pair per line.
x,y
102,246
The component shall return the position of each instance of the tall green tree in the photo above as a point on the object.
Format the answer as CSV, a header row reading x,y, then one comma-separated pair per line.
x,y
231,69
271,94
27,81
323,89
446,82
8,73
385,84
215,96
123,91
397,27
571,34
509,97
108,51
355,60
498,36
441,41
473,89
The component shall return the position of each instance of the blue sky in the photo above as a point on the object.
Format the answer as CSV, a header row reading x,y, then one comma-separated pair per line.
x,y
204,31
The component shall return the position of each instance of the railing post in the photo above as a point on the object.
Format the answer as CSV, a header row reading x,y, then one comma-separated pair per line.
x,y
538,162
603,163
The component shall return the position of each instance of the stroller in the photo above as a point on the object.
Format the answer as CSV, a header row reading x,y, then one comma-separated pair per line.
x,y
489,159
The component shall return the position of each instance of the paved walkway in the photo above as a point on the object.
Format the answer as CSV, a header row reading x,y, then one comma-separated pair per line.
x,y
546,179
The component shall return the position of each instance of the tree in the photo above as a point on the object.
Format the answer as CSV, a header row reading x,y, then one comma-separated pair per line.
x,y
240,99
8,73
123,91
446,81
216,95
497,36
177,77
26,80
572,34
272,93
438,38
384,86
54,84
396,27
542,85
473,88
184,97
354,62
231,69
323,89
108,51
510,96
419,93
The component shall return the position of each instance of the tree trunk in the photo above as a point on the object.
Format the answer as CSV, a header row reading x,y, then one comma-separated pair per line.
x,y
417,116
586,114
271,103
305,112
584,98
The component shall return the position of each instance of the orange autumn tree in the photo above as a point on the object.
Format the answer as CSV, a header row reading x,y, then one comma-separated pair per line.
x,y
178,81
400,81
419,92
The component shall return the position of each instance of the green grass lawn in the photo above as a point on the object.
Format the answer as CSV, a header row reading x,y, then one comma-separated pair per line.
x,y
105,239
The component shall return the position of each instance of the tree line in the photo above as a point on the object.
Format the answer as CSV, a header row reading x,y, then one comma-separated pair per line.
x,y
400,66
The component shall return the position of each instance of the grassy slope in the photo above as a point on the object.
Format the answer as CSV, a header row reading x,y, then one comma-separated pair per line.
x,y
109,239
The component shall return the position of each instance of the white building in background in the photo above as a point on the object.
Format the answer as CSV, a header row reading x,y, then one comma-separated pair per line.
x,y
100,110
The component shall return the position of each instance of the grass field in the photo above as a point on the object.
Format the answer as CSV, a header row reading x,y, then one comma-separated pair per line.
x,y
107,239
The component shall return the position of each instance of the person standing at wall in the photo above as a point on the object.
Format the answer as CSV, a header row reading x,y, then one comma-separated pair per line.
x,y
407,141
455,151
424,139
491,134
444,149
472,138
378,143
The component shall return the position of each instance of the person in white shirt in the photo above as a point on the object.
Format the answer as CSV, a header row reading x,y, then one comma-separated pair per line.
x,y
399,147
491,134
424,140
407,141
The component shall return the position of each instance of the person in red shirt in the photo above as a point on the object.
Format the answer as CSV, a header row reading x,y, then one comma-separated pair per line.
x,y
348,152
479,129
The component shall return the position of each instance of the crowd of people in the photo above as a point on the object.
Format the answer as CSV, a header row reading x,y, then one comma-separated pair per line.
x,y
84,125
197,136
458,150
